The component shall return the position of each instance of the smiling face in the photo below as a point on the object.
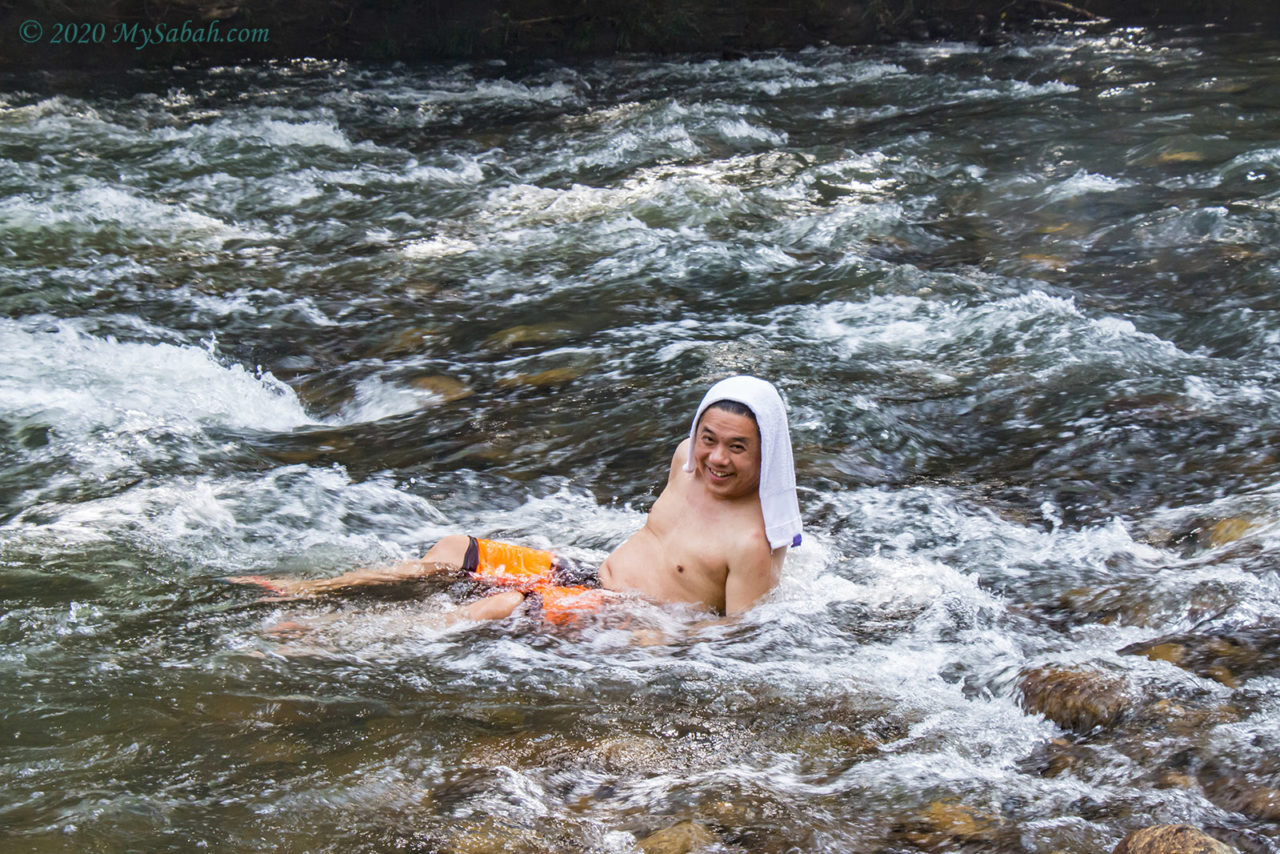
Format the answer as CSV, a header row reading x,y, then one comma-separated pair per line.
x,y
726,453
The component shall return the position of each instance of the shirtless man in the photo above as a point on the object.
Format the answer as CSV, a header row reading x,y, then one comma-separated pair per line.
x,y
716,536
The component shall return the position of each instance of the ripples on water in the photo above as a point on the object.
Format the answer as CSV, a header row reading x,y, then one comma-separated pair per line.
x,y
302,317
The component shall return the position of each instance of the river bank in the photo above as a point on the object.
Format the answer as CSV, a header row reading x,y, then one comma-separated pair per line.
x,y
135,33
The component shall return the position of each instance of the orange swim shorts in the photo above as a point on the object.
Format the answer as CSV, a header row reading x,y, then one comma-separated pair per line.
x,y
563,587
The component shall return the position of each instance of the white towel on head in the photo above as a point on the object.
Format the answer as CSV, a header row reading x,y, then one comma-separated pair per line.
x,y
777,468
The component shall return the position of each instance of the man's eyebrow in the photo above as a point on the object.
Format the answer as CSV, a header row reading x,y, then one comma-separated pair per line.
x,y
704,428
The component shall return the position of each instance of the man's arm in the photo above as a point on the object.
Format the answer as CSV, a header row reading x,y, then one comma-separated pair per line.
x,y
751,577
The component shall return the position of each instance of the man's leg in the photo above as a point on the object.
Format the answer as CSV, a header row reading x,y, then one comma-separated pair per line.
x,y
445,556
499,606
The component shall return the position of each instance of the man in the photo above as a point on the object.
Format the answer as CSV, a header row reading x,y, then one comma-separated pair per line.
x,y
716,536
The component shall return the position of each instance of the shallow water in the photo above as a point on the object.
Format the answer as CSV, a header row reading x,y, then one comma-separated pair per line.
x,y
298,318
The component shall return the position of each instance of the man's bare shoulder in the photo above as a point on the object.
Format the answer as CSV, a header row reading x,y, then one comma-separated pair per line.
x,y
750,546
680,457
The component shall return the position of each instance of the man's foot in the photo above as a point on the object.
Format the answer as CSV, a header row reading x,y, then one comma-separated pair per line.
x,y
496,607
288,629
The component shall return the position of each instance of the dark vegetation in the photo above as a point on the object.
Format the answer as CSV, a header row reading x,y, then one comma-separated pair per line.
x,y
110,33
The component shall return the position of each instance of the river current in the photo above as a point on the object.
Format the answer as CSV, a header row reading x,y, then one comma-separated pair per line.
x,y
301,317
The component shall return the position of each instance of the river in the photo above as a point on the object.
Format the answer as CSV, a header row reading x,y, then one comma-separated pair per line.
x,y
300,317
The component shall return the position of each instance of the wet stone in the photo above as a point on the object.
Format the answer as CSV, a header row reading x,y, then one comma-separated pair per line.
x,y
1175,780
1181,157
526,334
491,835
1075,698
1234,793
1228,655
943,825
1185,719
631,754
1107,606
322,450
686,837
446,387
404,343
1174,653
1171,839
1201,534
1228,531
1059,756
1263,804
542,379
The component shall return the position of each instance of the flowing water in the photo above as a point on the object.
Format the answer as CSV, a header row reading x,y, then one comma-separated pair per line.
x,y
303,317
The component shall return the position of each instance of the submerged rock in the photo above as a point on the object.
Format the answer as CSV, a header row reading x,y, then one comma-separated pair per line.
x,y
446,387
491,834
944,824
1171,839
1237,794
630,754
1117,603
1228,531
682,838
1185,718
1228,655
1201,534
526,334
543,379
404,343
1075,698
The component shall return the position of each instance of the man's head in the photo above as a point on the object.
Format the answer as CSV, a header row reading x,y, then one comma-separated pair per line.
x,y
763,458
726,449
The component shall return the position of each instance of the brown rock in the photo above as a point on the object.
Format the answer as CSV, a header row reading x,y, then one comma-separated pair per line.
x,y
1181,157
1061,756
1228,531
516,336
446,387
1107,605
406,342
1229,654
944,824
491,835
683,838
543,379
1075,698
1175,780
1263,804
1185,719
1171,839
833,744
630,754
1174,653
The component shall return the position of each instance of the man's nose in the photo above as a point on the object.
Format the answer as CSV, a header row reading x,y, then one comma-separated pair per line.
x,y
719,455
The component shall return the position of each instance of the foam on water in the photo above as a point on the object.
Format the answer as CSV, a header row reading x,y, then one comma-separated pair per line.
x,y
775,76
504,92
108,209
1046,333
293,520
77,383
110,409
375,399
1084,183
282,129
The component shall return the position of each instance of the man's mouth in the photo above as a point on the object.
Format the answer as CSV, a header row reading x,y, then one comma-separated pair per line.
x,y
719,475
